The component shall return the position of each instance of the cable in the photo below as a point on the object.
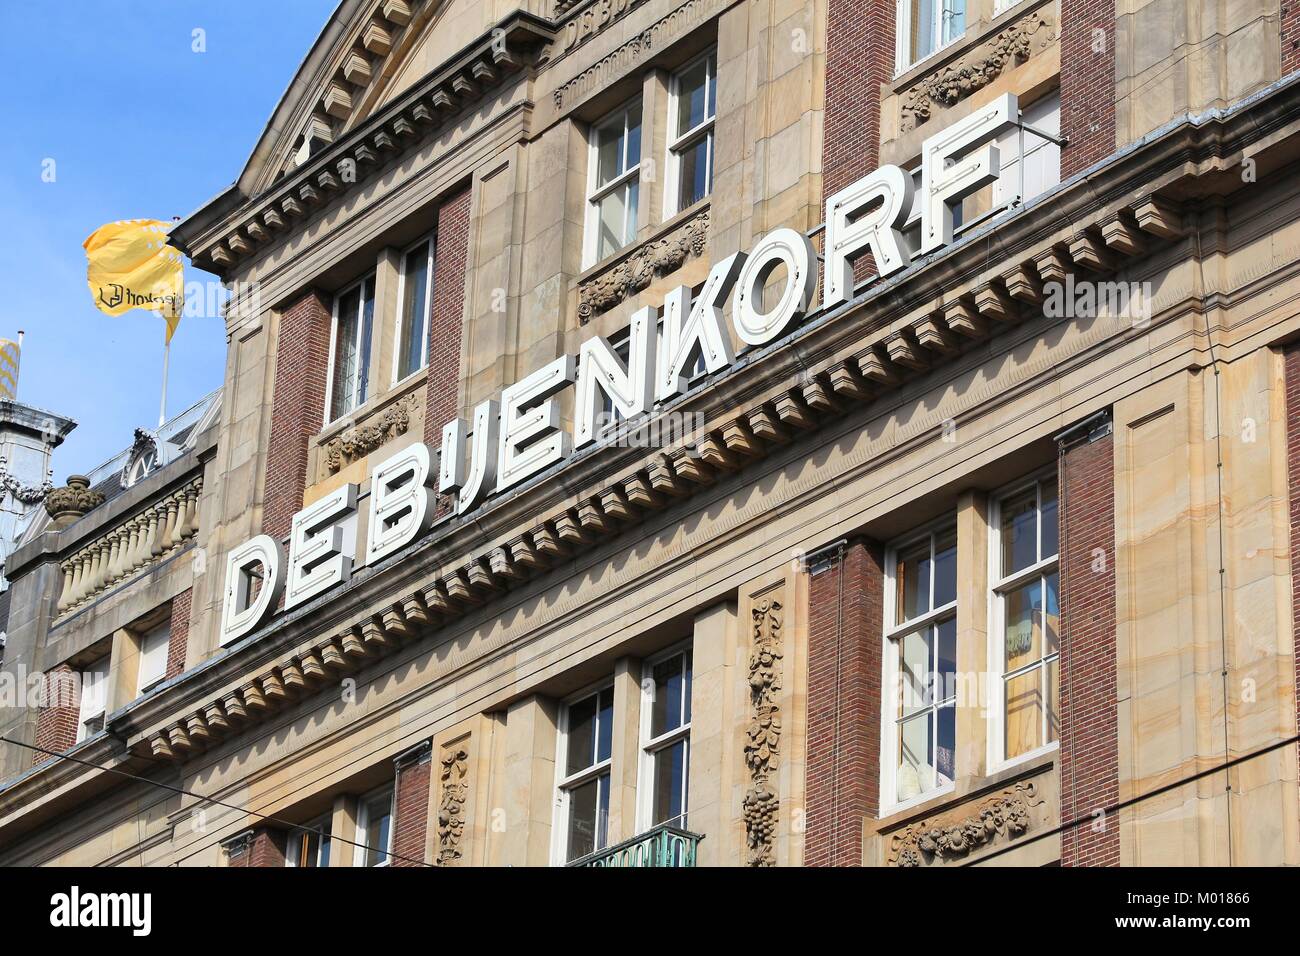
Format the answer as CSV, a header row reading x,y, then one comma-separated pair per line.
x,y
211,800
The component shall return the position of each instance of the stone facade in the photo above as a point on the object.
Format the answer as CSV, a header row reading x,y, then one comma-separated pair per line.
x,y
440,699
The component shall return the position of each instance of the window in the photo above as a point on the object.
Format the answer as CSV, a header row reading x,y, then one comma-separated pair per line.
x,y
94,698
586,735
614,167
919,741
416,304
375,826
1041,166
153,657
926,26
665,739
354,312
1026,577
311,847
691,112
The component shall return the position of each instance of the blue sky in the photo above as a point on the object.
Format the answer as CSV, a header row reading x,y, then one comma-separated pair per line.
x,y
138,125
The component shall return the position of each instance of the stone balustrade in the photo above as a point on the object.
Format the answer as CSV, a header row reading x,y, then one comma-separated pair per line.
x,y
143,539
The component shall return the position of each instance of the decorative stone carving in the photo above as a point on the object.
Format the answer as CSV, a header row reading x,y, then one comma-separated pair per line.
x,y
976,69
360,440
1004,816
633,274
27,494
65,505
451,804
763,734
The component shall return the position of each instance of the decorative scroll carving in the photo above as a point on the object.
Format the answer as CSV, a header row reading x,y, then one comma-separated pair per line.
x,y
976,69
763,735
360,440
638,270
1006,816
451,805
65,505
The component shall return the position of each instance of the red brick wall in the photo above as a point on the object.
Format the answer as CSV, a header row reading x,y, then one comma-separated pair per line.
x,y
447,315
411,811
265,848
178,641
1290,36
1089,725
1087,82
298,407
1293,486
844,646
56,721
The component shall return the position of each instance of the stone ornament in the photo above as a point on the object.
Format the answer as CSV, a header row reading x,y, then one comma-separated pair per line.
x,y
976,69
763,734
1005,816
360,440
643,266
451,805
24,493
65,505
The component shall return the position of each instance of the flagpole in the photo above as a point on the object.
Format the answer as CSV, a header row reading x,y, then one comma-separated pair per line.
x,y
162,408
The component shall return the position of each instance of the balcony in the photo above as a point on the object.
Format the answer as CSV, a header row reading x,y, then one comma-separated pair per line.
x,y
663,846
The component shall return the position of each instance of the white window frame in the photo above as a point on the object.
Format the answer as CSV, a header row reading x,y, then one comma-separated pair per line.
x,y
146,681
595,193
95,675
648,747
363,821
998,586
903,33
680,140
431,240
891,633
364,373
565,784
294,850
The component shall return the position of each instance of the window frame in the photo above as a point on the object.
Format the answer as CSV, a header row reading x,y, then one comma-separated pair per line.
x,y
363,821
998,586
565,784
144,685
297,840
648,747
891,633
101,667
363,372
903,33
431,240
595,193
679,141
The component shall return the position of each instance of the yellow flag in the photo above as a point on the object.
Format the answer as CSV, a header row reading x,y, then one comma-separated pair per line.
x,y
130,266
9,354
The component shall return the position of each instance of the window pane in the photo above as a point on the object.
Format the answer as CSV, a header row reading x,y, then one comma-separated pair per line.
x,y
913,582
694,173
581,737
605,724
670,770
915,654
922,28
666,712
378,819
415,290
1023,625
954,19
946,668
1052,697
691,97
915,756
1049,522
345,354
946,752
945,568
367,320
588,816
686,689
324,858
1052,617
1019,532
1024,713
633,194
633,138
609,151
611,216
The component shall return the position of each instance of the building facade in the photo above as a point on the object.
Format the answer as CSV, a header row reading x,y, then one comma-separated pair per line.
x,y
712,432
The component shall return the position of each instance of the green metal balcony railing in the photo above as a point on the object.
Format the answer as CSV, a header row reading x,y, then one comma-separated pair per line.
x,y
663,846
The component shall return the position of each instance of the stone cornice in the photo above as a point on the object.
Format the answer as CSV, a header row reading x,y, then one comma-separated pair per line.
x,y
231,230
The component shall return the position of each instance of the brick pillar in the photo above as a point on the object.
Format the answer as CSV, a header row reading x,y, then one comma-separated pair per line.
x,y
263,847
411,805
297,409
844,646
447,313
1087,82
1290,36
1292,359
56,721
859,59
179,635
1088,706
